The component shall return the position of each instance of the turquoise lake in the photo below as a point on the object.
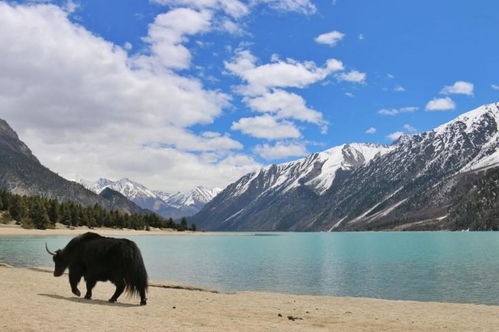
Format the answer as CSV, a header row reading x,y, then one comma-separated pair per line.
x,y
424,266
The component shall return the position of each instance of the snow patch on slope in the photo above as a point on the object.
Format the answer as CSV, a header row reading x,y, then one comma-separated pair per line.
x,y
316,171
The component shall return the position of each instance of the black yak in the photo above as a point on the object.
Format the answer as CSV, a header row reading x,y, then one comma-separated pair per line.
x,y
98,258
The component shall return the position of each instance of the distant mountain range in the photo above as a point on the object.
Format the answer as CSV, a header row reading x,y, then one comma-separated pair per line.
x,y
446,178
21,173
165,204
418,183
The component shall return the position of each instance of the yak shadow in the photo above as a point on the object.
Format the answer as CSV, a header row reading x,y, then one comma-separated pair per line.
x,y
85,301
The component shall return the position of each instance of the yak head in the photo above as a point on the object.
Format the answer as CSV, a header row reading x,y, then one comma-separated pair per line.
x,y
60,260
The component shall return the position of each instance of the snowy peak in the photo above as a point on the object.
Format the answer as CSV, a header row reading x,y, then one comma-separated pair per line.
x,y
344,157
317,171
415,182
130,189
166,204
197,197
472,120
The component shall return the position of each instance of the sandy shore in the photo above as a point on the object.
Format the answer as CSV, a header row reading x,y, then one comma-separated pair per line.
x,y
10,230
36,301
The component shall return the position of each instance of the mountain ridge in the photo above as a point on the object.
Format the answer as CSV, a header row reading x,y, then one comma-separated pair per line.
x,y
22,173
165,204
411,180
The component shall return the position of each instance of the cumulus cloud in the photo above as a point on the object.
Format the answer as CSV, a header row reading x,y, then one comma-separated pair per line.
x,y
166,35
280,73
263,90
266,127
353,76
231,27
410,129
399,88
286,105
459,87
395,136
281,150
329,38
396,111
440,104
494,86
371,130
88,110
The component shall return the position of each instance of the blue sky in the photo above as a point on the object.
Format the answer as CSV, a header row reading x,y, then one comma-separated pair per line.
x,y
198,92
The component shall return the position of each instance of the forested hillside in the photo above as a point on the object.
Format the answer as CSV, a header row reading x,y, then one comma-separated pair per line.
x,y
42,213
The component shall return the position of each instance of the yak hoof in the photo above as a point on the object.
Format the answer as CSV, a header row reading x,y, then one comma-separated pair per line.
x,y
112,300
143,302
76,292
88,297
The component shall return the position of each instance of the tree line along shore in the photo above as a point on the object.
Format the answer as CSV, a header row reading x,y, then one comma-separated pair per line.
x,y
35,212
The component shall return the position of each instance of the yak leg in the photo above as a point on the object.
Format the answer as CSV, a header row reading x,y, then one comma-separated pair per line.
x,y
90,285
74,279
120,287
143,299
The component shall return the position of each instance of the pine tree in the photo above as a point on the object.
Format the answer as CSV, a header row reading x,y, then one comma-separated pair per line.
x,y
18,209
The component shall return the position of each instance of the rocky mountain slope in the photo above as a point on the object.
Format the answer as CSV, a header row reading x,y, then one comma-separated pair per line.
x,y
165,204
21,173
411,184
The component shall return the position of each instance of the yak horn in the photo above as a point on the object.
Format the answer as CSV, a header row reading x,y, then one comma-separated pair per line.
x,y
47,248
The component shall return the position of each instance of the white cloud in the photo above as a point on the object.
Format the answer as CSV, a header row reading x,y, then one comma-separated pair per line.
x,y
399,88
231,27
87,110
396,111
300,6
395,136
285,105
494,86
166,35
371,130
349,94
459,87
289,73
361,36
127,46
267,127
71,6
238,9
263,90
329,38
410,129
353,76
281,150
440,104
233,8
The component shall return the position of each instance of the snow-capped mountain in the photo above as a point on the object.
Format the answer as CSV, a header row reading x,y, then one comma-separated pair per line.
x,y
410,184
196,198
166,204
317,172
127,187
311,176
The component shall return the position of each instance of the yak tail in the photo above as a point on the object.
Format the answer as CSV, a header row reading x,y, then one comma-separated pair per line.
x,y
135,274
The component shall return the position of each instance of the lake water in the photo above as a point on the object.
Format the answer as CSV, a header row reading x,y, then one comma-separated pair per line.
x,y
425,266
